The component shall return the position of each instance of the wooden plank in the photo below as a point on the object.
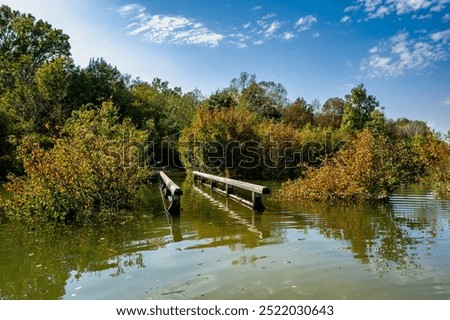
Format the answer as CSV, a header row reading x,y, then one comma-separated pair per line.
x,y
174,189
232,182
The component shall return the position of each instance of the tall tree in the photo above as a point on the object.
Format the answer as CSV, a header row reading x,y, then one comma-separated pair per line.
x,y
28,48
298,114
100,82
331,114
25,45
358,108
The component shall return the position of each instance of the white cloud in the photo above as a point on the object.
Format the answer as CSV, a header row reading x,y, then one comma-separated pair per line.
x,y
181,30
168,29
446,17
239,40
381,8
446,102
305,23
268,16
288,35
422,16
131,9
272,28
442,36
346,19
400,54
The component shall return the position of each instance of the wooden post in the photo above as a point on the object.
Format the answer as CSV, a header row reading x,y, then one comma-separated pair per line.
x,y
257,204
228,189
175,207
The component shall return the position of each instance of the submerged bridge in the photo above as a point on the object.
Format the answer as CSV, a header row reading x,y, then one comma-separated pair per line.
x,y
171,193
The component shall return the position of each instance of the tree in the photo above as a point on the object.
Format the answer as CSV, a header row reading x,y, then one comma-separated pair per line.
x,y
30,81
358,107
225,98
265,98
100,82
25,45
298,114
331,114
242,82
258,99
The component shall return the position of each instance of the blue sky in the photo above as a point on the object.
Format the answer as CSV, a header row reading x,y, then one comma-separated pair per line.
x,y
400,49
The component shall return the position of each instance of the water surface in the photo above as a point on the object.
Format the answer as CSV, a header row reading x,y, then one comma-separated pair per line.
x,y
219,249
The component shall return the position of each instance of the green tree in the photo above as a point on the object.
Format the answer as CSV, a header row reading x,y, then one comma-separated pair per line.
x,y
25,45
100,82
225,98
93,169
29,49
358,108
265,98
257,99
331,114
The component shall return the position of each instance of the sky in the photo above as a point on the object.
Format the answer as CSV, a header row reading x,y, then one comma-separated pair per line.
x,y
318,49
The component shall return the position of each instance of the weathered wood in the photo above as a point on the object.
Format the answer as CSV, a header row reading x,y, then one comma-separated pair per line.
x,y
256,190
232,182
171,193
174,189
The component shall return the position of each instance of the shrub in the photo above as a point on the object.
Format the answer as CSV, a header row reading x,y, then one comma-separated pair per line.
x,y
92,169
220,141
354,173
434,155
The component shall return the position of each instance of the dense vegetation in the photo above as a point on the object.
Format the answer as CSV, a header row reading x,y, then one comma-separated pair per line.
x,y
76,142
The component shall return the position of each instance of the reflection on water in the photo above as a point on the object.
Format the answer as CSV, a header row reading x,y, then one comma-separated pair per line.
x,y
219,249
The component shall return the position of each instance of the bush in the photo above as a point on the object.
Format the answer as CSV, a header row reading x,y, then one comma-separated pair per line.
x,y
220,141
358,172
92,169
434,155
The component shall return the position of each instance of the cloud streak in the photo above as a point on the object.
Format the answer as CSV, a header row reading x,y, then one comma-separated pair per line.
x,y
182,30
168,29
401,53
380,8
305,23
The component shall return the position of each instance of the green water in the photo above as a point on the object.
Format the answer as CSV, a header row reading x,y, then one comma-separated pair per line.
x,y
219,249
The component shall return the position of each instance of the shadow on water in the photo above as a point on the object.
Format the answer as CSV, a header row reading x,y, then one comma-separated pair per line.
x,y
219,249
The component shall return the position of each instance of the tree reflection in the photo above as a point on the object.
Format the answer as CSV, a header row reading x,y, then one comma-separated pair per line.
x,y
387,235
36,264
39,263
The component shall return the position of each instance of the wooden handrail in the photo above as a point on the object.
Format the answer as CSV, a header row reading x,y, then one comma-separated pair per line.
x,y
170,192
257,190
236,183
174,189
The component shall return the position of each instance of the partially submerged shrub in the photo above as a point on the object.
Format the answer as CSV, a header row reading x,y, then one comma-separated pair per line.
x,y
358,172
434,154
93,168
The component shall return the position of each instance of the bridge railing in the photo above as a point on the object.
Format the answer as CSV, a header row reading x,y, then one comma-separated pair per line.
x,y
256,190
171,194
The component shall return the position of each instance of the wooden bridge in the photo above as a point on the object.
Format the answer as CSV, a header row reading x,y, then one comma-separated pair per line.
x,y
171,193
257,191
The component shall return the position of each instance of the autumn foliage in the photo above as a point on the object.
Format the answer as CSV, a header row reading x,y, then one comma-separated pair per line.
x,y
92,169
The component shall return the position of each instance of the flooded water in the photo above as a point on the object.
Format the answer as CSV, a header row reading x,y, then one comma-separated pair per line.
x,y
219,249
